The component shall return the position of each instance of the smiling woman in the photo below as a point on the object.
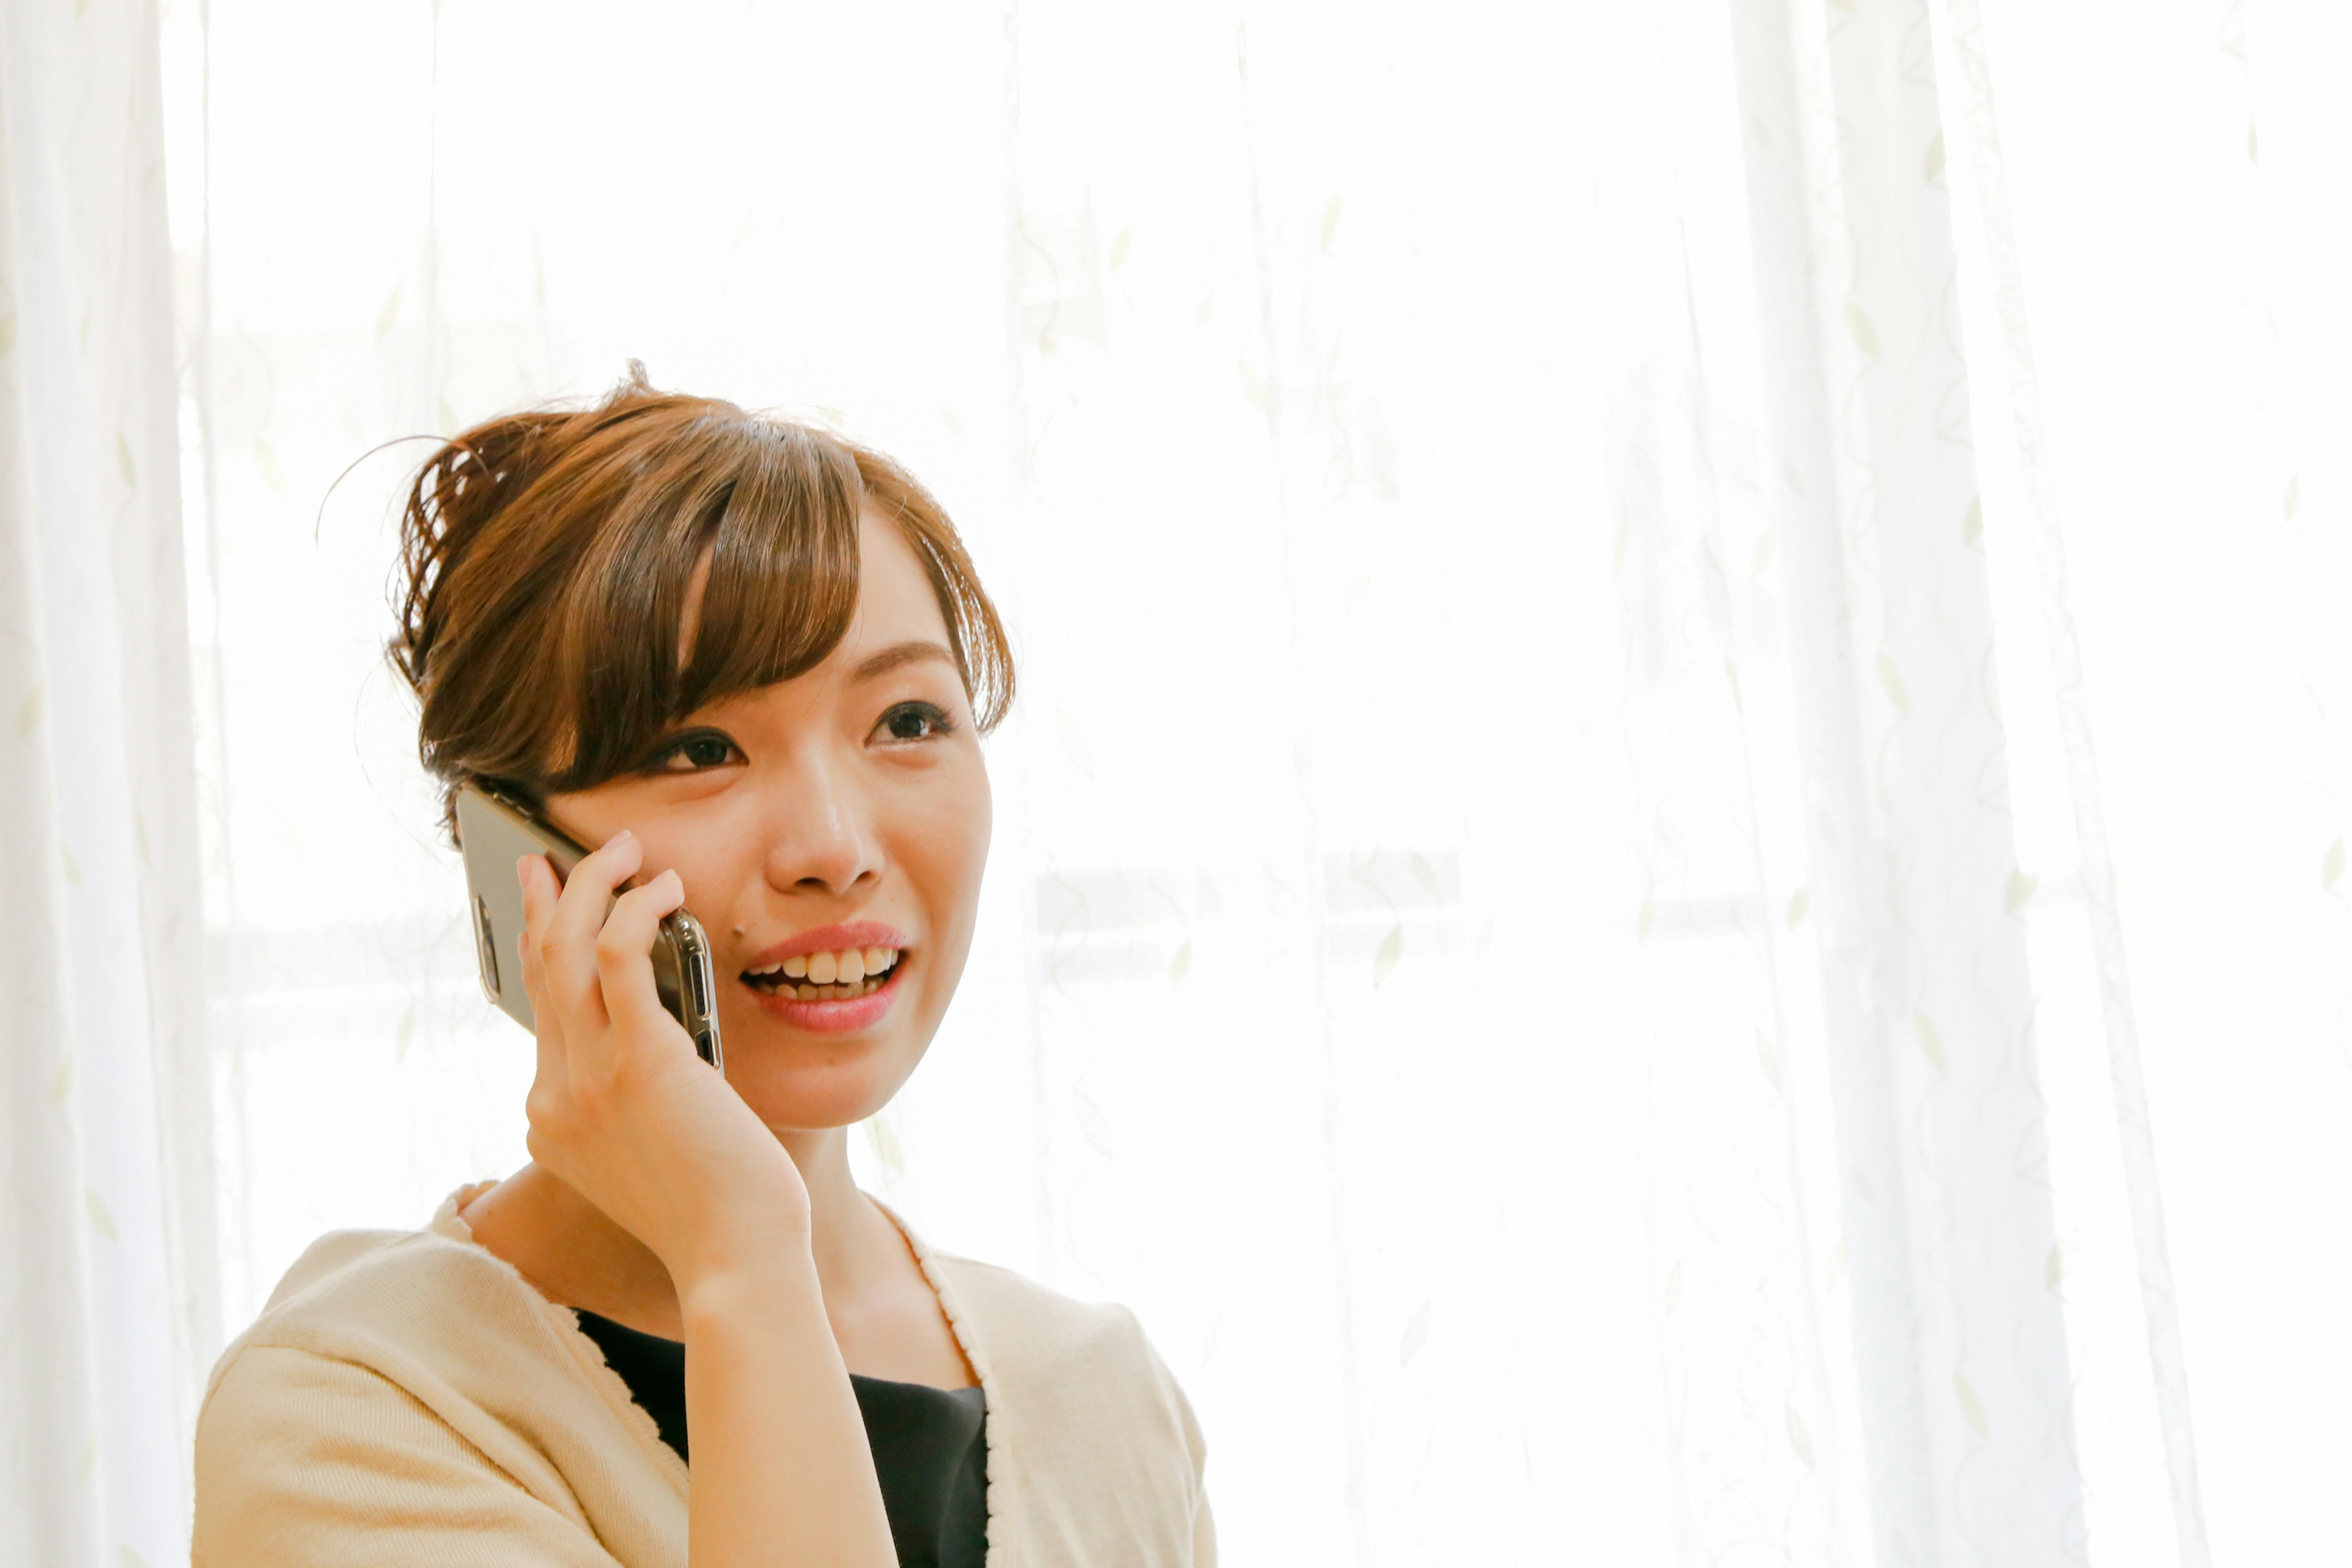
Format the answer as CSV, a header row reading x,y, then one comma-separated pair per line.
x,y
750,664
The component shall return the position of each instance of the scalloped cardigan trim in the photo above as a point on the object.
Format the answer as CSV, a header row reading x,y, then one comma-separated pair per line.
x,y
406,1396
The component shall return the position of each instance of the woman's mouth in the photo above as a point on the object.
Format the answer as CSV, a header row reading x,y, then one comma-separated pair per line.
x,y
842,976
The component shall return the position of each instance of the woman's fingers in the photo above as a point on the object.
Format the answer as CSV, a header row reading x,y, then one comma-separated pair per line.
x,y
622,946
567,940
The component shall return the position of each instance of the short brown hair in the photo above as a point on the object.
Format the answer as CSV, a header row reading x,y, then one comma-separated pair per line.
x,y
545,561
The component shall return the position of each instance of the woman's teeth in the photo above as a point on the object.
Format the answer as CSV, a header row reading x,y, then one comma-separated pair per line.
x,y
827,976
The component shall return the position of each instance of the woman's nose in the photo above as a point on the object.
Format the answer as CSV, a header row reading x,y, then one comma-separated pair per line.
x,y
820,838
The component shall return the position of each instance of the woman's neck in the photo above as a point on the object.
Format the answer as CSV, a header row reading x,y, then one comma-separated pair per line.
x,y
576,1255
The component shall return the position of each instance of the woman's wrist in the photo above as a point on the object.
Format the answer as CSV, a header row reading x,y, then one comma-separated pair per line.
x,y
763,1287
758,1244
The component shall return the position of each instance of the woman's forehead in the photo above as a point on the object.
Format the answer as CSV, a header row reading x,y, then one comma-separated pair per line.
x,y
894,598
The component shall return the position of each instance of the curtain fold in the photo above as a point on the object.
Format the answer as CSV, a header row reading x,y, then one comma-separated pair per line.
x,y
109,1311
1959,1338
1827,613
1978,161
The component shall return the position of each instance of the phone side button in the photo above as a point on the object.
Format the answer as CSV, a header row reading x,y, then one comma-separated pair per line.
x,y
486,949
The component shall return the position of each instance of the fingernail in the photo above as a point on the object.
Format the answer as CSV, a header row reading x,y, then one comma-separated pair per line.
x,y
623,837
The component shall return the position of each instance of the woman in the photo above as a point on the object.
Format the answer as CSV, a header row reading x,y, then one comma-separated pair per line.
x,y
752,664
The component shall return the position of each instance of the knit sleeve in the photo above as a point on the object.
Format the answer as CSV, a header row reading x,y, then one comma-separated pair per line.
x,y
303,1460
1204,1526
1196,1445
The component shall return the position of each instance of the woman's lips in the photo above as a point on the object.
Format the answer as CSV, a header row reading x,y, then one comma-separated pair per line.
x,y
856,933
842,1015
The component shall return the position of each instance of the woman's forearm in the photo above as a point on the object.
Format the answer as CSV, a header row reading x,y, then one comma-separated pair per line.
x,y
783,1472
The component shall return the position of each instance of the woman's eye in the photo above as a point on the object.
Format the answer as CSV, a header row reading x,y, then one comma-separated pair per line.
x,y
915,721
695,753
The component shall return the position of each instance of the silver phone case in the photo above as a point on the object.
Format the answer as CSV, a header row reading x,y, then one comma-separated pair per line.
x,y
493,833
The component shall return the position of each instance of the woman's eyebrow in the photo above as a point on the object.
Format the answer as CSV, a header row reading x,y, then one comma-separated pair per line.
x,y
898,654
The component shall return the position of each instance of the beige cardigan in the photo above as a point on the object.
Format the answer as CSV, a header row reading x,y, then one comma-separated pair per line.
x,y
408,1399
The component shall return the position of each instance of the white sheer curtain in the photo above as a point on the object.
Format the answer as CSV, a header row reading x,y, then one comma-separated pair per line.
x,y
1557,925
108,1289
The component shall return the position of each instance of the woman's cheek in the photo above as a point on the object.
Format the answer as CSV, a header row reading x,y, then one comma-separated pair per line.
x,y
945,847
974,819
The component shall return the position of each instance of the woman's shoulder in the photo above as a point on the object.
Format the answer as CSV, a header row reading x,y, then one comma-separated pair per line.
x,y
414,1374
1089,1412
1007,1316
376,1296
1085,1366
993,1288
1014,1315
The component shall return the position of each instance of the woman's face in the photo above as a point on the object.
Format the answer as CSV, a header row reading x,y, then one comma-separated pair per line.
x,y
831,832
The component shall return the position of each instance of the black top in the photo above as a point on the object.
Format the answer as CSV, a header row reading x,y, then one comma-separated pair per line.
x,y
930,1445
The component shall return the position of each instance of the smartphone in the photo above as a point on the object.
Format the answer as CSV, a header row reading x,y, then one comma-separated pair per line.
x,y
493,833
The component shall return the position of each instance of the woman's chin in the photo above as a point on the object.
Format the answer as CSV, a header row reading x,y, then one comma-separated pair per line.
x,y
802,1086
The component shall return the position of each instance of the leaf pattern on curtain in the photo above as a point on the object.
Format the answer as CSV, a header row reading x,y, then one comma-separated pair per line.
x,y
109,1304
1926,1046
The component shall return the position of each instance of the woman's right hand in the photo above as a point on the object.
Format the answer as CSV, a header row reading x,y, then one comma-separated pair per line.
x,y
625,1112
622,1109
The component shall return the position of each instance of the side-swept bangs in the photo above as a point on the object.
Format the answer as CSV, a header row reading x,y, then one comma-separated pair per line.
x,y
547,561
